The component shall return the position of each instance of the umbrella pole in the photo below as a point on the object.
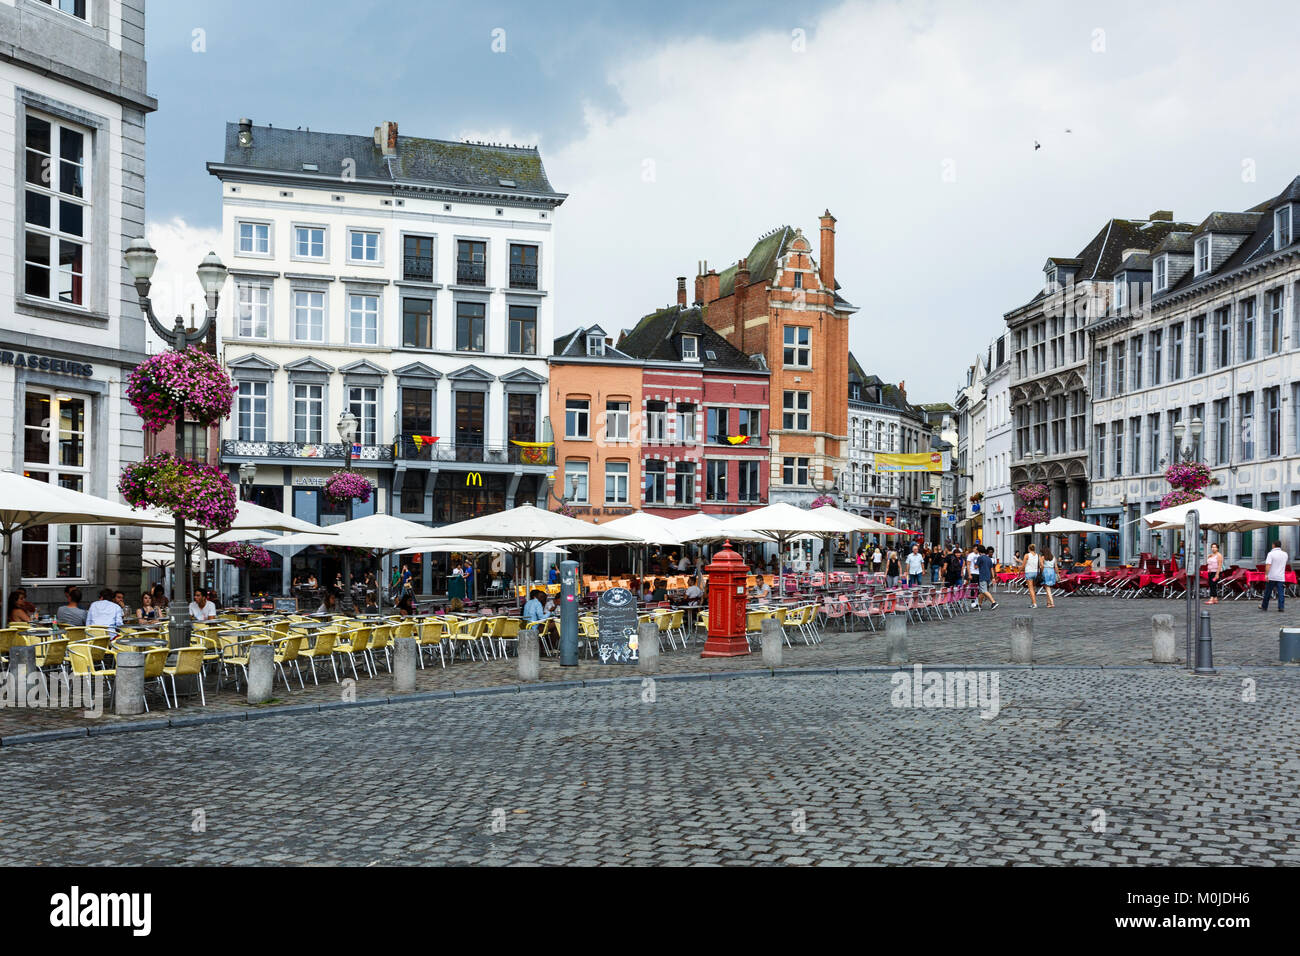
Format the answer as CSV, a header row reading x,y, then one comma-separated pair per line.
x,y
4,612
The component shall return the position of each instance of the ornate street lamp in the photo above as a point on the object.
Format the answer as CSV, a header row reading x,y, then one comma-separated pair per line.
x,y
141,260
1192,430
347,426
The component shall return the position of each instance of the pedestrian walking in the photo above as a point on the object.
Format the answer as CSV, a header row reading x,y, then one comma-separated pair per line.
x,y
1049,575
1029,568
1213,568
1275,574
891,569
984,578
915,564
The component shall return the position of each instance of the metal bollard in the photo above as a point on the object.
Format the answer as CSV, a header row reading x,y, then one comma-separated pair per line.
x,y
261,673
1205,647
128,693
1022,639
773,642
647,648
529,653
896,638
1162,638
406,654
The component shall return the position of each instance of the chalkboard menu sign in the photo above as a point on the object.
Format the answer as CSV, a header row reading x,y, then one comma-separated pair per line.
x,y
616,626
286,605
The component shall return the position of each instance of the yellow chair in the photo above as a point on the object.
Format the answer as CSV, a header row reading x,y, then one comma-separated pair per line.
x,y
52,655
431,634
286,652
506,629
379,641
356,641
663,621
76,635
189,662
467,633
84,664
154,663
589,634
7,639
324,647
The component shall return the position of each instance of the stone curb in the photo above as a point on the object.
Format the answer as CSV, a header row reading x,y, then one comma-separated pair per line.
x,y
289,710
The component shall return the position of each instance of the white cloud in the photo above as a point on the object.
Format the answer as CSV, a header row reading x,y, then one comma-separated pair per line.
x,y
180,247
720,140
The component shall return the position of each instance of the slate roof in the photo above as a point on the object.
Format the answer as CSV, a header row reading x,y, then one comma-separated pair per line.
x,y
419,161
762,261
655,338
574,345
890,394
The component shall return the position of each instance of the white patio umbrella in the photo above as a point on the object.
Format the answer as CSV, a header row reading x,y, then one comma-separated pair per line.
x,y
780,523
652,529
1065,526
387,534
1216,516
26,503
701,528
157,556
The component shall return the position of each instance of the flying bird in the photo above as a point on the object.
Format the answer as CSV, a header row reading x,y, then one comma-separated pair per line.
x,y
1037,145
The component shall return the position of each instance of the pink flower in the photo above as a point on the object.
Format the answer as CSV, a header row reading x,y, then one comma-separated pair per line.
x,y
343,485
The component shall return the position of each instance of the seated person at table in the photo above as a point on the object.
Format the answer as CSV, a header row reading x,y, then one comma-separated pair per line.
x,y
693,593
534,611
660,591
1067,560
16,614
120,598
160,600
147,611
372,605
201,609
71,614
406,606
551,607
106,613
761,590
329,604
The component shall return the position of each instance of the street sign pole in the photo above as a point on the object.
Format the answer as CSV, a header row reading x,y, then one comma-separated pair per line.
x,y
568,613
1192,566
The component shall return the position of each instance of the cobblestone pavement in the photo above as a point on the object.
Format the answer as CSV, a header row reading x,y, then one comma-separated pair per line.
x,y
792,770
1079,631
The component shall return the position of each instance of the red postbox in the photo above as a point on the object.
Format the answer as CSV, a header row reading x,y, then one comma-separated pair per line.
x,y
727,599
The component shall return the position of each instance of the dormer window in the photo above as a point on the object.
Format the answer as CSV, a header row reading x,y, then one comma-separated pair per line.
x,y
1121,291
1202,255
595,345
1282,228
1049,280
1161,273
690,348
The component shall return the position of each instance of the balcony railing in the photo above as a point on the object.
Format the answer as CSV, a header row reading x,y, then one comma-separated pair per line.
x,y
474,452
471,273
523,276
417,268
329,451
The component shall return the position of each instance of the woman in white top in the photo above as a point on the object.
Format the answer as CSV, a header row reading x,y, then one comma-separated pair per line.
x,y
1029,567
1049,575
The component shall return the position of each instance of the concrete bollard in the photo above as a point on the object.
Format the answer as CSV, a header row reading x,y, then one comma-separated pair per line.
x,y
896,638
1022,639
1162,638
128,692
773,642
261,672
647,648
406,654
529,653
1288,645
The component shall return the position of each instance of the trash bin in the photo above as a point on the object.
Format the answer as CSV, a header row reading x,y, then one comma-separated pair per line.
x,y
1288,644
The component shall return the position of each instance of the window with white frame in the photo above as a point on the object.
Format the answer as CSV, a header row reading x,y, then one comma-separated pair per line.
x,y
1121,292
1161,270
251,410
617,420
595,345
715,480
57,211
363,319
797,341
616,479
1282,227
794,411
748,489
254,238
575,469
794,471
308,413
363,402
690,348
685,422
308,316
1202,255
253,319
655,481
1247,336
73,8
577,418
684,483
363,246
1273,324
56,427
309,242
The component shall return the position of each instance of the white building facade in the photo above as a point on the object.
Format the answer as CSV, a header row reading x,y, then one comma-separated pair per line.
x,y
1204,329
998,505
72,123
405,279
882,420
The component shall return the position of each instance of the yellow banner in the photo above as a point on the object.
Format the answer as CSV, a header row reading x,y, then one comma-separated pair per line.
x,y
920,461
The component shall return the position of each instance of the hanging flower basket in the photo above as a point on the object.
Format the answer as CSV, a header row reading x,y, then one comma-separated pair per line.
x,y
1180,496
244,554
1188,475
821,501
1031,516
343,485
1032,492
164,385
977,497
201,494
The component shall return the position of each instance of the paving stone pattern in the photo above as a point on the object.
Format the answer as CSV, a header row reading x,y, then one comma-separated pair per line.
x,y
709,772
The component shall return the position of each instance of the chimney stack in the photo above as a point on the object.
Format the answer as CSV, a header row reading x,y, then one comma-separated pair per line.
x,y
245,132
681,292
827,260
386,137
1162,215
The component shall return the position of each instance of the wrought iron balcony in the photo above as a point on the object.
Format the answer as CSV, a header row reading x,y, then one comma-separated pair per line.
x,y
471,273
473,452
523,276
293,450
417,268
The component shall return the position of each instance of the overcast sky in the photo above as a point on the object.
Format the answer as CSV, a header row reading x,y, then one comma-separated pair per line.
x,y
682,131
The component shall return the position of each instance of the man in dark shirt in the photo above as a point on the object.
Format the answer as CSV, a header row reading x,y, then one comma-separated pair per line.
x,y
984,565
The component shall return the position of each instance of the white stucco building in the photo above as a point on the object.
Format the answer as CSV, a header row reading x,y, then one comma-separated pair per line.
x,y
72,133
998,506
407,279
